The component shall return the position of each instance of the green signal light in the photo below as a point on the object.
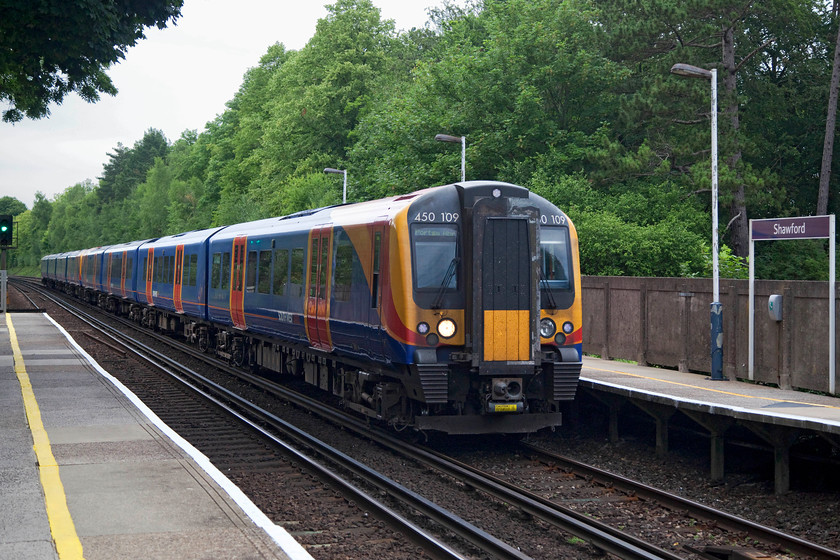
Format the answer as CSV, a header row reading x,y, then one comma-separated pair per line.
x,y
4,227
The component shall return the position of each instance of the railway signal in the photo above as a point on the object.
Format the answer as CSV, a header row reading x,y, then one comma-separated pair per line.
x,y
6,229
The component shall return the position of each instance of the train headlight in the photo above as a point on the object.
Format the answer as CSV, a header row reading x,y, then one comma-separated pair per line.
x,y
446,328
423,328
547,328
560,339
568,327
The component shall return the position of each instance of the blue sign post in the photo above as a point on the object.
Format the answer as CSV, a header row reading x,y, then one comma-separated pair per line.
x,y
805,227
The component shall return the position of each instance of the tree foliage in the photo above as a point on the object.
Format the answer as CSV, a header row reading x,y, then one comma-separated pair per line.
x,y
49,48
571,98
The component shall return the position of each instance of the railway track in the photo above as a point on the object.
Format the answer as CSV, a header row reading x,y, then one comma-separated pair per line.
x,y
599,535
695,510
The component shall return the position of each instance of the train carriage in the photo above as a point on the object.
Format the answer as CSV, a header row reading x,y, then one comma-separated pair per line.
x,y
119,265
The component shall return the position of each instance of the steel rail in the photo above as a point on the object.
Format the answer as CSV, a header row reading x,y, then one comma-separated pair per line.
x,y
674,502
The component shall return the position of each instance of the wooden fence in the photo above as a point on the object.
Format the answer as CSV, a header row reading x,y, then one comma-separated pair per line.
x,y
666,322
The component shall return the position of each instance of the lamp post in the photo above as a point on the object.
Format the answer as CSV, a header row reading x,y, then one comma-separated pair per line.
x,y
690,71
463,141
344,189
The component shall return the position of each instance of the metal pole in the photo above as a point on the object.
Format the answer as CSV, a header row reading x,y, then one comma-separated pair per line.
x,y
3,278
716,307
832,379
463,158
344,188
751,361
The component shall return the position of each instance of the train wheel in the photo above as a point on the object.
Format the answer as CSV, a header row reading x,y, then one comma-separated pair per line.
x,y
203,342
237,357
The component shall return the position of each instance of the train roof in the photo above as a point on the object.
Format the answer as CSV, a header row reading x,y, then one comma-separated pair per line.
x,y
186,238
128,246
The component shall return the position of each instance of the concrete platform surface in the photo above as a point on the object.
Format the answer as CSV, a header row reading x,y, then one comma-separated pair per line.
x,y
87,471
695,392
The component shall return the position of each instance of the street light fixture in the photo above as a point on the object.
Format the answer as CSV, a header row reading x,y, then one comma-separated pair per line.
x,y
344,189
463,141
689,71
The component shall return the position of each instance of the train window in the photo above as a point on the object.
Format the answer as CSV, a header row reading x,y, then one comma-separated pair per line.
x,y
344,257
251,272
170,270
313,269
435,249
377,247
225,271
216,273
296,278
281,271
179,271
264,286
193,272
322,273
554,258
116,267
238,257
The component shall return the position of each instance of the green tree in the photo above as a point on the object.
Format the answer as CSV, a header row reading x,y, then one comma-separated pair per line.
x,y
664,119
127,167
49,48
150,204
320,93
519,79
11,205
71,227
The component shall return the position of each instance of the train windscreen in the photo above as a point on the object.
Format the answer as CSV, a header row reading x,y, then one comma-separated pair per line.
x,y
555,265
435,250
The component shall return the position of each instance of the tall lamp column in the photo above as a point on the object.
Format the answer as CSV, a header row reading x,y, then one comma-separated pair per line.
x,y
457,140
690,71
344,189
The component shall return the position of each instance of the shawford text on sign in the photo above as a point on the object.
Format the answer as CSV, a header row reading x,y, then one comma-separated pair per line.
x,y
806,227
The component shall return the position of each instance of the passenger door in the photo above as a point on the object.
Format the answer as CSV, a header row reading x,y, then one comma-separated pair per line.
x,y
150,267
318,293
123,268
179,274
237,283
377,276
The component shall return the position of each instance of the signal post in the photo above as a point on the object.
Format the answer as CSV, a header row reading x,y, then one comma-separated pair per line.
x,y
7,231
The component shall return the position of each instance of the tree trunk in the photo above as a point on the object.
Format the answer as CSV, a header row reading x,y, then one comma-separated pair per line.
x,y
828,142
739,230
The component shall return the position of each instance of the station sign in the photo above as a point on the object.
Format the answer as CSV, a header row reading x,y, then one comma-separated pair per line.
x,y
805,227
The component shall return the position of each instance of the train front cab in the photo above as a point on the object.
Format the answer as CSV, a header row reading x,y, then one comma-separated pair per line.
x,y
506,377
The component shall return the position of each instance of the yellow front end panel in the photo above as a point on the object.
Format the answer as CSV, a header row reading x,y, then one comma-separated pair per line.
x,y
507,335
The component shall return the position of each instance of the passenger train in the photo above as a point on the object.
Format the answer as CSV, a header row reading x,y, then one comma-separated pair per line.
x,y
454,309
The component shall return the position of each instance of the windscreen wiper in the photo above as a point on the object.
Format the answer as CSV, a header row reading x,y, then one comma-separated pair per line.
x,y
450,272
552,304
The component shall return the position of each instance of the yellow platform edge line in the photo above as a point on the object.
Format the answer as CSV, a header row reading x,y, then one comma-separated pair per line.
x,y
67,542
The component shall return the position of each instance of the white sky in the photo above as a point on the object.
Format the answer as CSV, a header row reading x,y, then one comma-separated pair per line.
x,y
176,79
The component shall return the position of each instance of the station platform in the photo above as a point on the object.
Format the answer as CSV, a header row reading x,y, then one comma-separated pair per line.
x,y
777,416
87,471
